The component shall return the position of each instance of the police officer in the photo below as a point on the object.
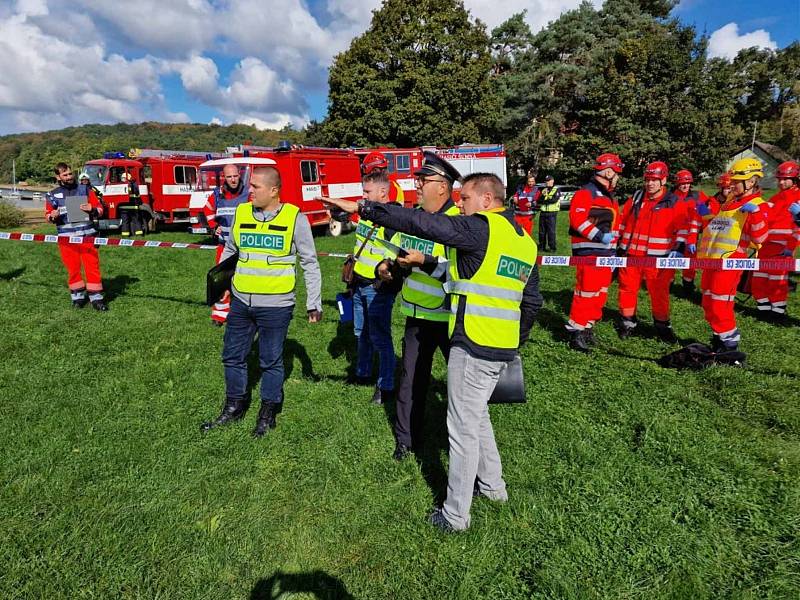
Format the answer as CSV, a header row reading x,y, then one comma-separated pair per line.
x,y
219,210
548,215
494,293
423,301
269,237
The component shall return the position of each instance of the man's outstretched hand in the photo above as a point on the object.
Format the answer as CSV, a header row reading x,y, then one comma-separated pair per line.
x,y
347,206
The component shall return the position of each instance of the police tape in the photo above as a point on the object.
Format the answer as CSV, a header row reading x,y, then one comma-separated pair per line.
x,y
547,260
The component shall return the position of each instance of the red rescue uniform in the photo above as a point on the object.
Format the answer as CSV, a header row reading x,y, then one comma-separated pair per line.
x,y
694,226
524,201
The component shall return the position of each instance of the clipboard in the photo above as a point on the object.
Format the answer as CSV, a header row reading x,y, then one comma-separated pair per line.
x,y
219,279
74,212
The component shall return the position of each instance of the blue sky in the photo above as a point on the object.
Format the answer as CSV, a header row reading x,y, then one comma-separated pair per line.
x,y
263,62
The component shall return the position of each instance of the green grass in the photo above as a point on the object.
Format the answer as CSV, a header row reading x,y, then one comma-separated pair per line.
x,y
625,480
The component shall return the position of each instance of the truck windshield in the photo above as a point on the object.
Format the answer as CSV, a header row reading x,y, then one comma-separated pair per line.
x,y
97,174
211,177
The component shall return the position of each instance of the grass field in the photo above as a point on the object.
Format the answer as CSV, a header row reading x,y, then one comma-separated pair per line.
x,y
626,480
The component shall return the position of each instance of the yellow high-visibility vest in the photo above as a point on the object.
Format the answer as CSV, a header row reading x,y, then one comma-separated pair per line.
x,y
722,234
548,193
372,254
266,260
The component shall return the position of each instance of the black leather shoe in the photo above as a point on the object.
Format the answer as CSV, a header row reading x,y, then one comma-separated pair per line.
x,y
401,451
232,410
99,305
579,342
625,328
664,332
80,303
266,419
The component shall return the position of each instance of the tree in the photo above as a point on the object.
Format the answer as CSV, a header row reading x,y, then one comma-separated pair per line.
x,y
417,76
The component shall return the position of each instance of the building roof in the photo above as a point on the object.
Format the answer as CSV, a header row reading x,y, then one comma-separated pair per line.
x,y
774,151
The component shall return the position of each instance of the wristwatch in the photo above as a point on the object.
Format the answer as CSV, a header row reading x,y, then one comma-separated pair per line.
x,y
361,204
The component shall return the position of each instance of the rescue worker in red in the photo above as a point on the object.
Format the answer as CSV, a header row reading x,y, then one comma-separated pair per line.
x,y
653,223
737,231
219,211
683,190
377,160
75,256
524,201
593,227
770,288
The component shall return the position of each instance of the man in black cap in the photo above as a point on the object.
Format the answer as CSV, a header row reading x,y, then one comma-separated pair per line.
x,y
423,301
548,214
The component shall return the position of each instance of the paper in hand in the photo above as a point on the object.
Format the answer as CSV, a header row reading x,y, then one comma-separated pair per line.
x,y
74,212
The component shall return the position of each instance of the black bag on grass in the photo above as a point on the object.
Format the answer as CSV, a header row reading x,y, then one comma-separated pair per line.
x,y
699,356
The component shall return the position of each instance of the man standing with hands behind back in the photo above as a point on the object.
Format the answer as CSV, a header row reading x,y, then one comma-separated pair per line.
x,y
269,236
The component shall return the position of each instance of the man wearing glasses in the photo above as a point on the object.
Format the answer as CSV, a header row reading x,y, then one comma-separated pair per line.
x,y
219,211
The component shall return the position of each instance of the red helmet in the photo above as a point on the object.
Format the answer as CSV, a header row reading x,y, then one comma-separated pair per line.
x,y
609,161
374,160
656,170
724,180
788,170
683,176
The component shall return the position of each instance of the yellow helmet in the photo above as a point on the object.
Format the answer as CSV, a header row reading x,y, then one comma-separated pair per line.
x,y
744,168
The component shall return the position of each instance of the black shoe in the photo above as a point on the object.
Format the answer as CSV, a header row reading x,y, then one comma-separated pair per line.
x,y
716,343
579,341
99,305
232,410
625,328
687,287
80,303
664,331
588,335
401,451
436,518
266,419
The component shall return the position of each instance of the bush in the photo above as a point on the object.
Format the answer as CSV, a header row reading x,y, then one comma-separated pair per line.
x,y
10,215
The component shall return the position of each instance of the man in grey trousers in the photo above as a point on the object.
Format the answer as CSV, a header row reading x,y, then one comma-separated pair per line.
x,y
494,295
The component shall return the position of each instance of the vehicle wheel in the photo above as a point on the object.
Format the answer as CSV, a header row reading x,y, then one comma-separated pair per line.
x,y
335,228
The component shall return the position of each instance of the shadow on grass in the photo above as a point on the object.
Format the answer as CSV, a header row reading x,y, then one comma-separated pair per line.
x,y
13,274
292,349
430,455
318,583
117,285
344,344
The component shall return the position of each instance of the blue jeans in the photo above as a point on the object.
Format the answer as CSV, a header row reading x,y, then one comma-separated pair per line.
x,y
372,324
244,321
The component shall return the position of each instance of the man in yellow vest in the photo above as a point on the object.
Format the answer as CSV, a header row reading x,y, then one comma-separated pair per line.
x,y
493,285
268,236
373,299
423,301
736,231
548,215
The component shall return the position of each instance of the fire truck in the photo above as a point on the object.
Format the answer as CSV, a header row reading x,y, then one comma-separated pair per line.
x,y
166,180
467,158
306,174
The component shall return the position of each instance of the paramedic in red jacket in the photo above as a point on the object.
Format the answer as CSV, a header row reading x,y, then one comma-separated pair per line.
x,y
75,256
770,288
525,200
653,224
683,190
593,227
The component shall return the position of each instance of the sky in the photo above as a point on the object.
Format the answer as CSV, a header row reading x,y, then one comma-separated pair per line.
x,y
261,62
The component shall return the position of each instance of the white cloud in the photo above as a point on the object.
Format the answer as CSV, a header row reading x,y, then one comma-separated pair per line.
x,y
726,42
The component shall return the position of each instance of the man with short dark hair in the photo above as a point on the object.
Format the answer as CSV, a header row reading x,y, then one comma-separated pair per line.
x,y
493,285
268,236
76,255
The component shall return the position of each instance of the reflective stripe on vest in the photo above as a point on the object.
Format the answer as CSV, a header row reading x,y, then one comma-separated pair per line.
x,y
493,294
372,253
723,233
226,209
423,295
266,262
546,196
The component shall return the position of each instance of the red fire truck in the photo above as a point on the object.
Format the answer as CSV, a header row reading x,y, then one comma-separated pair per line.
x,y
467,158
166,180
306,174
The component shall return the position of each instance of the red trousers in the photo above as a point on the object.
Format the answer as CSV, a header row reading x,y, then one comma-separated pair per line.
x,y
657,281
219,312
76,255
771,290
526,222
589,298
719,293
689,274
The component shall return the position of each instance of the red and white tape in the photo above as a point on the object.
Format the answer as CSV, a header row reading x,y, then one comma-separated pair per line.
x,y
726,264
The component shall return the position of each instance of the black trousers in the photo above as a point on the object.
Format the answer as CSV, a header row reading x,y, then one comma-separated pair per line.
x,y
547,230
131,220
420,341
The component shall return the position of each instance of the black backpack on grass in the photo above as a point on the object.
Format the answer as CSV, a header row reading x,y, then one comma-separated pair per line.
x,y
699,356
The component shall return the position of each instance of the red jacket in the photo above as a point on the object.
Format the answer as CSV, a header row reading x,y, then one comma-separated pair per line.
x,y
654,227
525,199
783,233
694,224
592,213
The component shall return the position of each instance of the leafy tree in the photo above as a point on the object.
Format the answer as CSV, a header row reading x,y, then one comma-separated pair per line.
x,y
417,76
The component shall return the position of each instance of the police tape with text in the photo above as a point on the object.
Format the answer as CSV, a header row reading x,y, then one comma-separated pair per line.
x,y
727,264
